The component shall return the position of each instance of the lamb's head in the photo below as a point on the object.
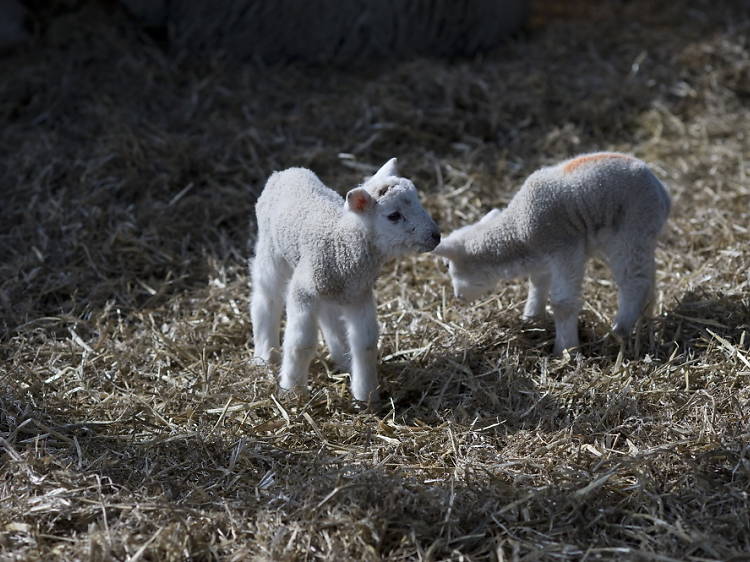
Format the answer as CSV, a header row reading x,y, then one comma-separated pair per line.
x,y
396,219
471,276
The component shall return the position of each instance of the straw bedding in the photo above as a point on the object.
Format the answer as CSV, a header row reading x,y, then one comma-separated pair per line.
x,y
132,425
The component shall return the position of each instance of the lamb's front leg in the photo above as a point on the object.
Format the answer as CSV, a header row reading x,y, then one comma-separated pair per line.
x,y
362,331
300,339
539,283
635,277
566,277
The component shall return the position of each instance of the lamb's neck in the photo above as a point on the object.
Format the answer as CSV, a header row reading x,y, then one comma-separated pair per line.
x,y
500,245
355,244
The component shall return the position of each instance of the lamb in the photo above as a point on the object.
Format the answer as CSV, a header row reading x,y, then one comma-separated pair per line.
x,y
606,204
319,254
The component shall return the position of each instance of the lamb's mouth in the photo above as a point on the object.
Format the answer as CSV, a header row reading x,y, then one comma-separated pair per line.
x,y
426,246
432,242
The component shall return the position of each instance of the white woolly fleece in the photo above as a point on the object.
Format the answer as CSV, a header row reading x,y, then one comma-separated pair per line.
x,y
607,203
319,254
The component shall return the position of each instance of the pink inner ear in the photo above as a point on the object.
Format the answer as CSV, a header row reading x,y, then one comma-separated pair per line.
x,y
358,201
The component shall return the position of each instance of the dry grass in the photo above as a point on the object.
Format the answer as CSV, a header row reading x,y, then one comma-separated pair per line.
x,y
133,427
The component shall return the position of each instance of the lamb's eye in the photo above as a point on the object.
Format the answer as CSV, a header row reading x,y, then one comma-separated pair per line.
x,y
394,217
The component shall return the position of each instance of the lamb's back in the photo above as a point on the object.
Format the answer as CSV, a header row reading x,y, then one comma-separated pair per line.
x,y
296,210
589,197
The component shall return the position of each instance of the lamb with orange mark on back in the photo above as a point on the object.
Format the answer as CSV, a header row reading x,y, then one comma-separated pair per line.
x,y
606,204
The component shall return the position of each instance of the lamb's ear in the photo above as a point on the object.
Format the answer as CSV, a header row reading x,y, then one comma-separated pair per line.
x,y
490,215
388,169
450,248
358,200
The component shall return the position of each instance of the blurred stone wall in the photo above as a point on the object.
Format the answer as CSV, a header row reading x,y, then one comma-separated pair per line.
x,y
12,29
333,30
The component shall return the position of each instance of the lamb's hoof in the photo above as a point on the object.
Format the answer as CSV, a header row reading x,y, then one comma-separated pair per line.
x,y
273,359
621,333
532,318
565,352
293,394
371,407
367,401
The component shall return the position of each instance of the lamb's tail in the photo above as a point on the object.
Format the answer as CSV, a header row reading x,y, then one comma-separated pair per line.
x,y
253,222
665,199
665,202
662,193
272,180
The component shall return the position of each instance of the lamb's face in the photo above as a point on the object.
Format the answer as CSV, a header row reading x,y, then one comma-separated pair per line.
x,y
396,220
400,225
470,278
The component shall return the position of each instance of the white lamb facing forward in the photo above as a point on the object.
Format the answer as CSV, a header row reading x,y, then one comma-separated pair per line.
x,y
608,204
320,255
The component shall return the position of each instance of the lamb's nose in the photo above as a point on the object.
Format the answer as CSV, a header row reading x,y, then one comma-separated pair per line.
x,y
436,237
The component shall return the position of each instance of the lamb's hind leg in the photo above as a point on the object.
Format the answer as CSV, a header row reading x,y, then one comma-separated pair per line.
x,y
539,283
633,269
566,277
300,338
334,333
269,281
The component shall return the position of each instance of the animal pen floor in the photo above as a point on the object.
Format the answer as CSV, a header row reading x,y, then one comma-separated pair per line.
x,y
132,425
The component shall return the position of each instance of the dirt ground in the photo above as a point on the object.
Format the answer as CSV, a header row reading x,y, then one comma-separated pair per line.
x,y
132,425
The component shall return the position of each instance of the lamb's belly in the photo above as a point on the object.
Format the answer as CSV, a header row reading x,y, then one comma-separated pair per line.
x,y
600,243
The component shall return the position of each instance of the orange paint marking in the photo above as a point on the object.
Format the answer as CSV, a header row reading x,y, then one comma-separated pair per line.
x,y
581,160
